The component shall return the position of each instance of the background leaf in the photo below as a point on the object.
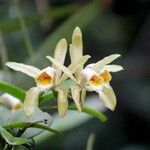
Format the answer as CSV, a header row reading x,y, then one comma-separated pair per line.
x,y
11,139
38,115
30,125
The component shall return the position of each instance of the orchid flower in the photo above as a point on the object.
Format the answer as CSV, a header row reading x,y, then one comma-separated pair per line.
x,y
9,101
77,62
94,77
45,78
68,72
49,78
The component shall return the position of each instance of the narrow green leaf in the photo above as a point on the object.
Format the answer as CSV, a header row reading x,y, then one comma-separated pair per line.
x,y
95,113
11,139
20,93
46,128
30,125
12,90
37,117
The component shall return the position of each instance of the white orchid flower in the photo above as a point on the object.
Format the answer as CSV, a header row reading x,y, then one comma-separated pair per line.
x,y
45,79
97,76
77,62
68,72
50,77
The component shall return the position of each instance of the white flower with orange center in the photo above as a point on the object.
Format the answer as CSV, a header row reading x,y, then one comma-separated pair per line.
x,y
96,77
49,78
45,79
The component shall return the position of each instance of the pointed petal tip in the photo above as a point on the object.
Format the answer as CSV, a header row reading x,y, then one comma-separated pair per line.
x,y
61,115
112,108
88,56
63,40
77,32
117,55
9,63
77,28
6,63
62,44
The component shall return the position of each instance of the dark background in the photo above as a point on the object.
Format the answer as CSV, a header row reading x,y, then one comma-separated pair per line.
x,y
121,26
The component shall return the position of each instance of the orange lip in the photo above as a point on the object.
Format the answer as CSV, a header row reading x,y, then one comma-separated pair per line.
x,y
106,76
44,79
96,80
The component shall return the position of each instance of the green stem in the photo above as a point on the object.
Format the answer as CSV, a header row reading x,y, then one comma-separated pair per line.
x,y
5,147
92,112
12,90
46,96
25,125
24,29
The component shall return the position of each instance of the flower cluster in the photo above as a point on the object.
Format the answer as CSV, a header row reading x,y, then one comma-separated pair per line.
x,y
93,77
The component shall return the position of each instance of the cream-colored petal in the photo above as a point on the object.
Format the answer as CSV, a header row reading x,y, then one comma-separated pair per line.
x,y
100,64
62,101
59,55
76,47
27,69
10,101
75,92
83,94
62,67
113,68
107,96
74,66
31,100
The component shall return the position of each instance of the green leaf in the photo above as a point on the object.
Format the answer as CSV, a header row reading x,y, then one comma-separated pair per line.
x,y
11,139
46,96
37,116
20,93
12,90
30,125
